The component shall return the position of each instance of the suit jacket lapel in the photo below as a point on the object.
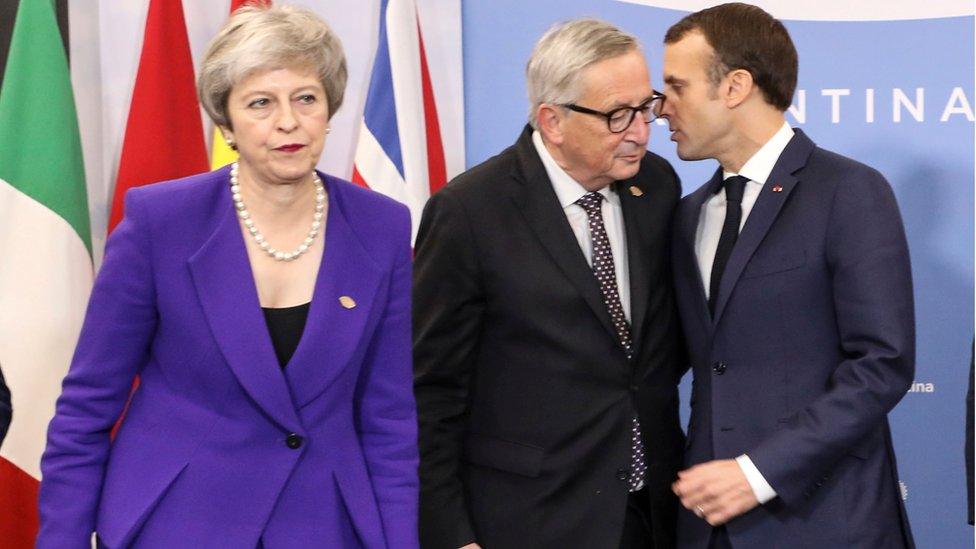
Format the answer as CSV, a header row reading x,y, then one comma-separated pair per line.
x,y
687,231
764,212
333,335
225,287
637,225
540,207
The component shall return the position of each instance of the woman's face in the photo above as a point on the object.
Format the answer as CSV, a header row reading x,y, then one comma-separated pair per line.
x,y
279,120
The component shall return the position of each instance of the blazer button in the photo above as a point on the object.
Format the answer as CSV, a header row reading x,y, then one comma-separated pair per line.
x,y
623,474
718,368
293,441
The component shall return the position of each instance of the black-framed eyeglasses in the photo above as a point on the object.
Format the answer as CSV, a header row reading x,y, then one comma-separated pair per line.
x,y
619,119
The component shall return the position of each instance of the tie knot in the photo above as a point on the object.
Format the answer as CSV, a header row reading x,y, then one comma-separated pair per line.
x,y
591,202
735,187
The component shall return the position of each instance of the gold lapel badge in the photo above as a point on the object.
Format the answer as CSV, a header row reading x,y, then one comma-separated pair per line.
x,y
635,190
777,188
347,302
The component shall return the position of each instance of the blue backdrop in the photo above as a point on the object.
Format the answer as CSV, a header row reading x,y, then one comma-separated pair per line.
x,y
897,95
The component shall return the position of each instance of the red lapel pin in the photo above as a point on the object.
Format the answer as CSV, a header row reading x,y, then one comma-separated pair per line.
x,y
777,188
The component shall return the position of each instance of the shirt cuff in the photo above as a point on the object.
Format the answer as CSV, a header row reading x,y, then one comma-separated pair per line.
x,y
762,490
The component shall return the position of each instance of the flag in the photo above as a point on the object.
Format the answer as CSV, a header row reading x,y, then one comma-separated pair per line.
x,y
401,151
45,242
164,133
220,152
164,136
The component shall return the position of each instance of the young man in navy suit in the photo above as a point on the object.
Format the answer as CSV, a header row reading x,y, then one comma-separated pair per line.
x,y
793,283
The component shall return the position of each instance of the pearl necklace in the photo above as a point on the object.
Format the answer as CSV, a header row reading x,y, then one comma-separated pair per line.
x,y
252,229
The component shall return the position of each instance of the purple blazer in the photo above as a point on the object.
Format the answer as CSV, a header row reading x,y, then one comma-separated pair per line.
x,y
219,446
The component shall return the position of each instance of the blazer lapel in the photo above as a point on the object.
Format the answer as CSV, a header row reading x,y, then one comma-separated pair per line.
x,y
540,207
637,225
225,287
764,212
687,231
344,301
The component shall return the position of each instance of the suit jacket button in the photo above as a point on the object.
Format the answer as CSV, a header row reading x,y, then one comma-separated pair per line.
x,y
718,368
623,474
293,441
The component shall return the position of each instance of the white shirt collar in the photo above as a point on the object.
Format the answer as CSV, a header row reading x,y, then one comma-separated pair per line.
x,y
568,191
761,164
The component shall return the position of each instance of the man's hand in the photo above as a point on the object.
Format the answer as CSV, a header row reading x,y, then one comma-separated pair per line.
x,y
716,491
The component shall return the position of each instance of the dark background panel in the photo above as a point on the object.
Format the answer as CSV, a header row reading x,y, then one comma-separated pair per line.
x,y
8,13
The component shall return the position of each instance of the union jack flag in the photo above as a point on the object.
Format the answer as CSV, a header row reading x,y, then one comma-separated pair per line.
x,y
402,151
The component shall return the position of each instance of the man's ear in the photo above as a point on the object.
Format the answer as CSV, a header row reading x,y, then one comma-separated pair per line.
x,y
738,87
549,119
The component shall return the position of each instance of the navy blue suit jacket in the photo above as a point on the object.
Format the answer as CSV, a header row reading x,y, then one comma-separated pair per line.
x,y
811,345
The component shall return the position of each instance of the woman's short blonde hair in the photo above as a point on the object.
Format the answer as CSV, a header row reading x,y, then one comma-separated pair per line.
x,y
262,37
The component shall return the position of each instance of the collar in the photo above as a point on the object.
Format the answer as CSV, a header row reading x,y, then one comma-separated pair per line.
x,y
761,164
568,191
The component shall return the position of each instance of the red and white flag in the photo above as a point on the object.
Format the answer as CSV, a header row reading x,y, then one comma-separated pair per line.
x,y
164,136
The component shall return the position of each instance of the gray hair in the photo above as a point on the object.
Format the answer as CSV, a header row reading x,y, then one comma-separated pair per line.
x,y
261,37
554,70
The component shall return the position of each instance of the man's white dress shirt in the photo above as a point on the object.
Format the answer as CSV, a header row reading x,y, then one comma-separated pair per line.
x,y
568,191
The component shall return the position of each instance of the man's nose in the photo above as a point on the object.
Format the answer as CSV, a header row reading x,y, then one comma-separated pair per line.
x,y
639,130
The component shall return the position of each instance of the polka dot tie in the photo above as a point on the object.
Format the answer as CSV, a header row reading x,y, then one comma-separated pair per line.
x,y
606,275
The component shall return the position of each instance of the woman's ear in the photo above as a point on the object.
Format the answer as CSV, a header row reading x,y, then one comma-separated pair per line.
x,y
228,137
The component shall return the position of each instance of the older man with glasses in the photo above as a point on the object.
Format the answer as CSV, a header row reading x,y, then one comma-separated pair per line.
x,y
545,337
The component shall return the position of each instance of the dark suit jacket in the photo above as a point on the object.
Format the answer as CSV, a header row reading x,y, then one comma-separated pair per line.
x,y
812,344
524,394
6,411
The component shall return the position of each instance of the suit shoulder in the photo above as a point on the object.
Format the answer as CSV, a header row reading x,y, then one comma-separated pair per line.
x,y
173,188
657,163
840,169
659,172
366,201
845,182
375,217
179,197
481,179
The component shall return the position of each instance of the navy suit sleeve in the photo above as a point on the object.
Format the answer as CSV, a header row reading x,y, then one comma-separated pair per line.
x,y
386,412
112,349
448,312
867,255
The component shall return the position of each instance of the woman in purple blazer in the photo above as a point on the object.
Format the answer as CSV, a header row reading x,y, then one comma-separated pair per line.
x,y
265,309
